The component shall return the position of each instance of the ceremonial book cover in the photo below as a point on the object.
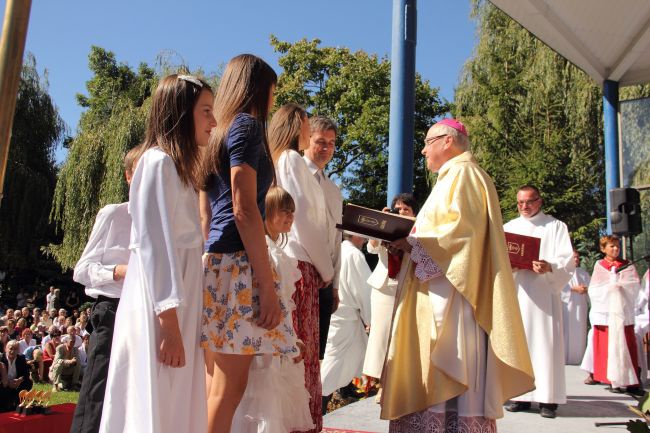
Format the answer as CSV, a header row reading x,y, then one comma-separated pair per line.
x,y
375,224
522,250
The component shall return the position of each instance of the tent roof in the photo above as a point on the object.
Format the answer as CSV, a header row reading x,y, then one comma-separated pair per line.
x,y
609,40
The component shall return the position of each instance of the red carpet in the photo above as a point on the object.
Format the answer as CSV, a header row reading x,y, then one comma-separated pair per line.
x,y
338,430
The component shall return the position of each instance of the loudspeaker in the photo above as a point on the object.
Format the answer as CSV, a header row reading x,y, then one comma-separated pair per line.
x,y
625,214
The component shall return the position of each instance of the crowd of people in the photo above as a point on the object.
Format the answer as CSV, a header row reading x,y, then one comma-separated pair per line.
x,y
226,299
41,346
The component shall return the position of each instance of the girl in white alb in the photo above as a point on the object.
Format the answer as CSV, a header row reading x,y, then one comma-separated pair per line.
x,y
276,400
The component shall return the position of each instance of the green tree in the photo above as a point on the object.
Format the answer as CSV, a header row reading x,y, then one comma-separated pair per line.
x,y
31,173
353,88
117,105
534,118
92,176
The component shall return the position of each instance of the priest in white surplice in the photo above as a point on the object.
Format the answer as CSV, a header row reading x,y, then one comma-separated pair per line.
x,y
539,299
457,349
574,314
347,338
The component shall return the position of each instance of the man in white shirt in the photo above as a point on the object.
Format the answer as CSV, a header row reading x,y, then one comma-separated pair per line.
x,y
49,299
17,372
102,268
538,291
322,143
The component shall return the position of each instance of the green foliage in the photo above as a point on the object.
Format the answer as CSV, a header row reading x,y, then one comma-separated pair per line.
x,y
353,89
117,105
58,397
31,174
635,145
534,118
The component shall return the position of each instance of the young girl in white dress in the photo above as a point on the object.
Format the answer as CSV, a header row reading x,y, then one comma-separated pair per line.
x,y
156,375
276,400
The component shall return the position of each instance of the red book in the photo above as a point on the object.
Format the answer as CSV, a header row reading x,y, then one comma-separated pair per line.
x,y
522,250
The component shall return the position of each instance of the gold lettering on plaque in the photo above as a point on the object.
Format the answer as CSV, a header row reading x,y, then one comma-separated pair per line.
x,y
366,220
513,248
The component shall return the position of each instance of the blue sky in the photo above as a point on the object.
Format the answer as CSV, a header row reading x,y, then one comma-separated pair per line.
x,y
208,33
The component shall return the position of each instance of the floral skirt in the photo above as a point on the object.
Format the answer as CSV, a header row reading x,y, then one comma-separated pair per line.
x,y
231,308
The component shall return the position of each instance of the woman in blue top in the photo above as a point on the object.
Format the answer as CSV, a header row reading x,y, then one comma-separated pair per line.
x,y
241,307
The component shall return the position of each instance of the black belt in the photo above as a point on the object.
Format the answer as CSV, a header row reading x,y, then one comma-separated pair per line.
x,y
102,298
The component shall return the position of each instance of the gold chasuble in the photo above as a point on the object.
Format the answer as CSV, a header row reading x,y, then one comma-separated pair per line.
x,y
461,228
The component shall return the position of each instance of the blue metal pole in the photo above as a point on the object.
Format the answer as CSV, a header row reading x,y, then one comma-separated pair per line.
x,y
610,127
402,98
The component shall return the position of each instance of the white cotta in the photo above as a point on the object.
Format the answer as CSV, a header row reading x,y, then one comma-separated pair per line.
x,y
615,293
164,271
347,339
541,307
575,308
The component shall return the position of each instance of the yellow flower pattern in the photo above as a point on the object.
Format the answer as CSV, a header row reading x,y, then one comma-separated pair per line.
x,y
231,306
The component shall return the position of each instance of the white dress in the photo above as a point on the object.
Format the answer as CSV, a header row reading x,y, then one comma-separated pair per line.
x,y
275,399
164,271
574,318
347,339
541,308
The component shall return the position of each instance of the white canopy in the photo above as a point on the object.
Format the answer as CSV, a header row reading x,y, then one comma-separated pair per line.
x,y
608,39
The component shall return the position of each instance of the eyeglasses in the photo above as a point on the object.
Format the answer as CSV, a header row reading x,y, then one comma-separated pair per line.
x,y
431,140
527,202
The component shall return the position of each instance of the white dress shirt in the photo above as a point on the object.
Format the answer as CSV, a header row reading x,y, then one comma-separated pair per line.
x,y
23,345
308,239
334,205
107,247
11,368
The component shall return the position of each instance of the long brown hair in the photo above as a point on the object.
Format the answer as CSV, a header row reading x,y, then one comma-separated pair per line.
x,y
171,124
284,129
245,87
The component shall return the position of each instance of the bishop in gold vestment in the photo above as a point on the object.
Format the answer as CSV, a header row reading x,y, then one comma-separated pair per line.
x,y
458,349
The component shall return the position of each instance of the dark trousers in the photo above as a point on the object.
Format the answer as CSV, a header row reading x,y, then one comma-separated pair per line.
x,y
88,413
325,304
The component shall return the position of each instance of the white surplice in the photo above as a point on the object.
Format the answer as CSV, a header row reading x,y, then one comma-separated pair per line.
x,y
613,296
541,308
574,317
347,339
164,271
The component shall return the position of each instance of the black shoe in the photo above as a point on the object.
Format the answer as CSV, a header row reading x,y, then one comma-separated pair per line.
x,y
517,406
546,412
635,390
617,390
